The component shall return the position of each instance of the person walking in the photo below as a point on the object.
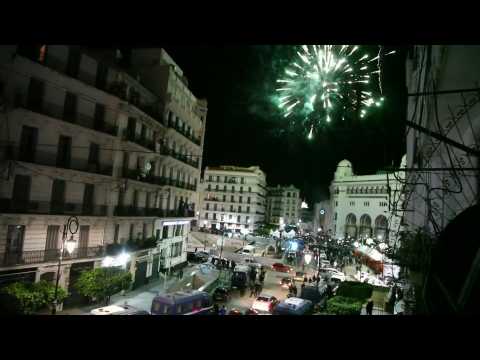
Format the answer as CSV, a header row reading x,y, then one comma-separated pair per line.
x,y
223,311
252,289
369,307
258,289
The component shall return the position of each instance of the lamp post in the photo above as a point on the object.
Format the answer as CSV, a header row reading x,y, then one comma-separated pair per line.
x,y
70,227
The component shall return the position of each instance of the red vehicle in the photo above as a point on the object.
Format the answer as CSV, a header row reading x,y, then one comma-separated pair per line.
x,y
281,267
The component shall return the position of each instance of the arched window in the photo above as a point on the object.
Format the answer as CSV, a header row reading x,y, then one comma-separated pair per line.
x,y
381,228
351,225
365,225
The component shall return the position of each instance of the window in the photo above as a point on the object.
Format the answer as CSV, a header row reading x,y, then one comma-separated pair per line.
x,y
117,231
230,216
247,219
88,196
249,189
238,218
209,188
15,237
225,188
206,216
214,216
218,178
241,189
210,178
36,90
233,188
243,180
366,203
232,199
224,198
248,209
73,63
288,194
225,179
352,203
28,143
58,196
93,157
239,199
231,208
248,200
70,107
336,203
208,206
99,120
64,152
216,187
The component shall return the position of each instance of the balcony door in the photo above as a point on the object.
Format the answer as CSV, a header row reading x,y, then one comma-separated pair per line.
x,y
21,193
94,157
36,90
87,207
52,242
28,144
73,63
70,107
102,72
83,240
58,197
64,152
14,246
99,117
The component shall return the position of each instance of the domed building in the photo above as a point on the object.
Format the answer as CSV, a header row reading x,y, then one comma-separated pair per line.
x,y
366,206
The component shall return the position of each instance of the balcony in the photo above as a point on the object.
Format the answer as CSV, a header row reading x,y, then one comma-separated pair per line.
x,y
184,132
42,256
183,158
58,112
145,212
259,213
11,206
132,137
157,180
52,159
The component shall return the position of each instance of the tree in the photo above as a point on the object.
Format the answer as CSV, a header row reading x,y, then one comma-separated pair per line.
x,y
101,283
31,297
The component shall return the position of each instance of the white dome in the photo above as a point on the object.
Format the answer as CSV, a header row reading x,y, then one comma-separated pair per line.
x,y
344,168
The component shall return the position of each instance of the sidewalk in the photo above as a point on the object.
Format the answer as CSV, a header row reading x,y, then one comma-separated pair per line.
x,y
140,298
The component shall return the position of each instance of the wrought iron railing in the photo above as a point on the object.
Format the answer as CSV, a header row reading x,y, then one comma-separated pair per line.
x,y
13,206
135,211
41,256
58,160
58,112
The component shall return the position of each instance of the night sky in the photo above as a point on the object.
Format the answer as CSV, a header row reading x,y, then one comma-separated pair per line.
x,y
245,129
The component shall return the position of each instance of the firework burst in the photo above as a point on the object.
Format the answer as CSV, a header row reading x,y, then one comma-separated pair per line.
x,y
330,81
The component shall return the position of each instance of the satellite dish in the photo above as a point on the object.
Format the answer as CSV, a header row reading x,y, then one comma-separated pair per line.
x,y
322,212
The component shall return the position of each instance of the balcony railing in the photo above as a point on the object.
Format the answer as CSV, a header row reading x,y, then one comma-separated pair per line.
x,y
52,159
12,206
183,158
57,112
184,132
41,256
132,137
162,213
157,180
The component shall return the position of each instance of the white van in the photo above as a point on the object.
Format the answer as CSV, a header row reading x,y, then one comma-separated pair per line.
x,y
249,250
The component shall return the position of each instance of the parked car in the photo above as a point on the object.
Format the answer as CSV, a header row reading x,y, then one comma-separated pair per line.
x,y
281,267
294,306
221,294
251,312
299,276
234,312
118,310
252,262
265,303
286,282
318,295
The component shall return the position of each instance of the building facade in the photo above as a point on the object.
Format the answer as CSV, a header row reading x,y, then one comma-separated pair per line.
x,y
83,136
283,202
442,178
367,206
233,197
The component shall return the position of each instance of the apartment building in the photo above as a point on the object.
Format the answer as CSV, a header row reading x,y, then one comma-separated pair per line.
x,y
233,197
81,135
283,202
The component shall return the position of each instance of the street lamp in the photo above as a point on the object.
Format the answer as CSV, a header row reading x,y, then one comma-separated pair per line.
x,y
70,227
